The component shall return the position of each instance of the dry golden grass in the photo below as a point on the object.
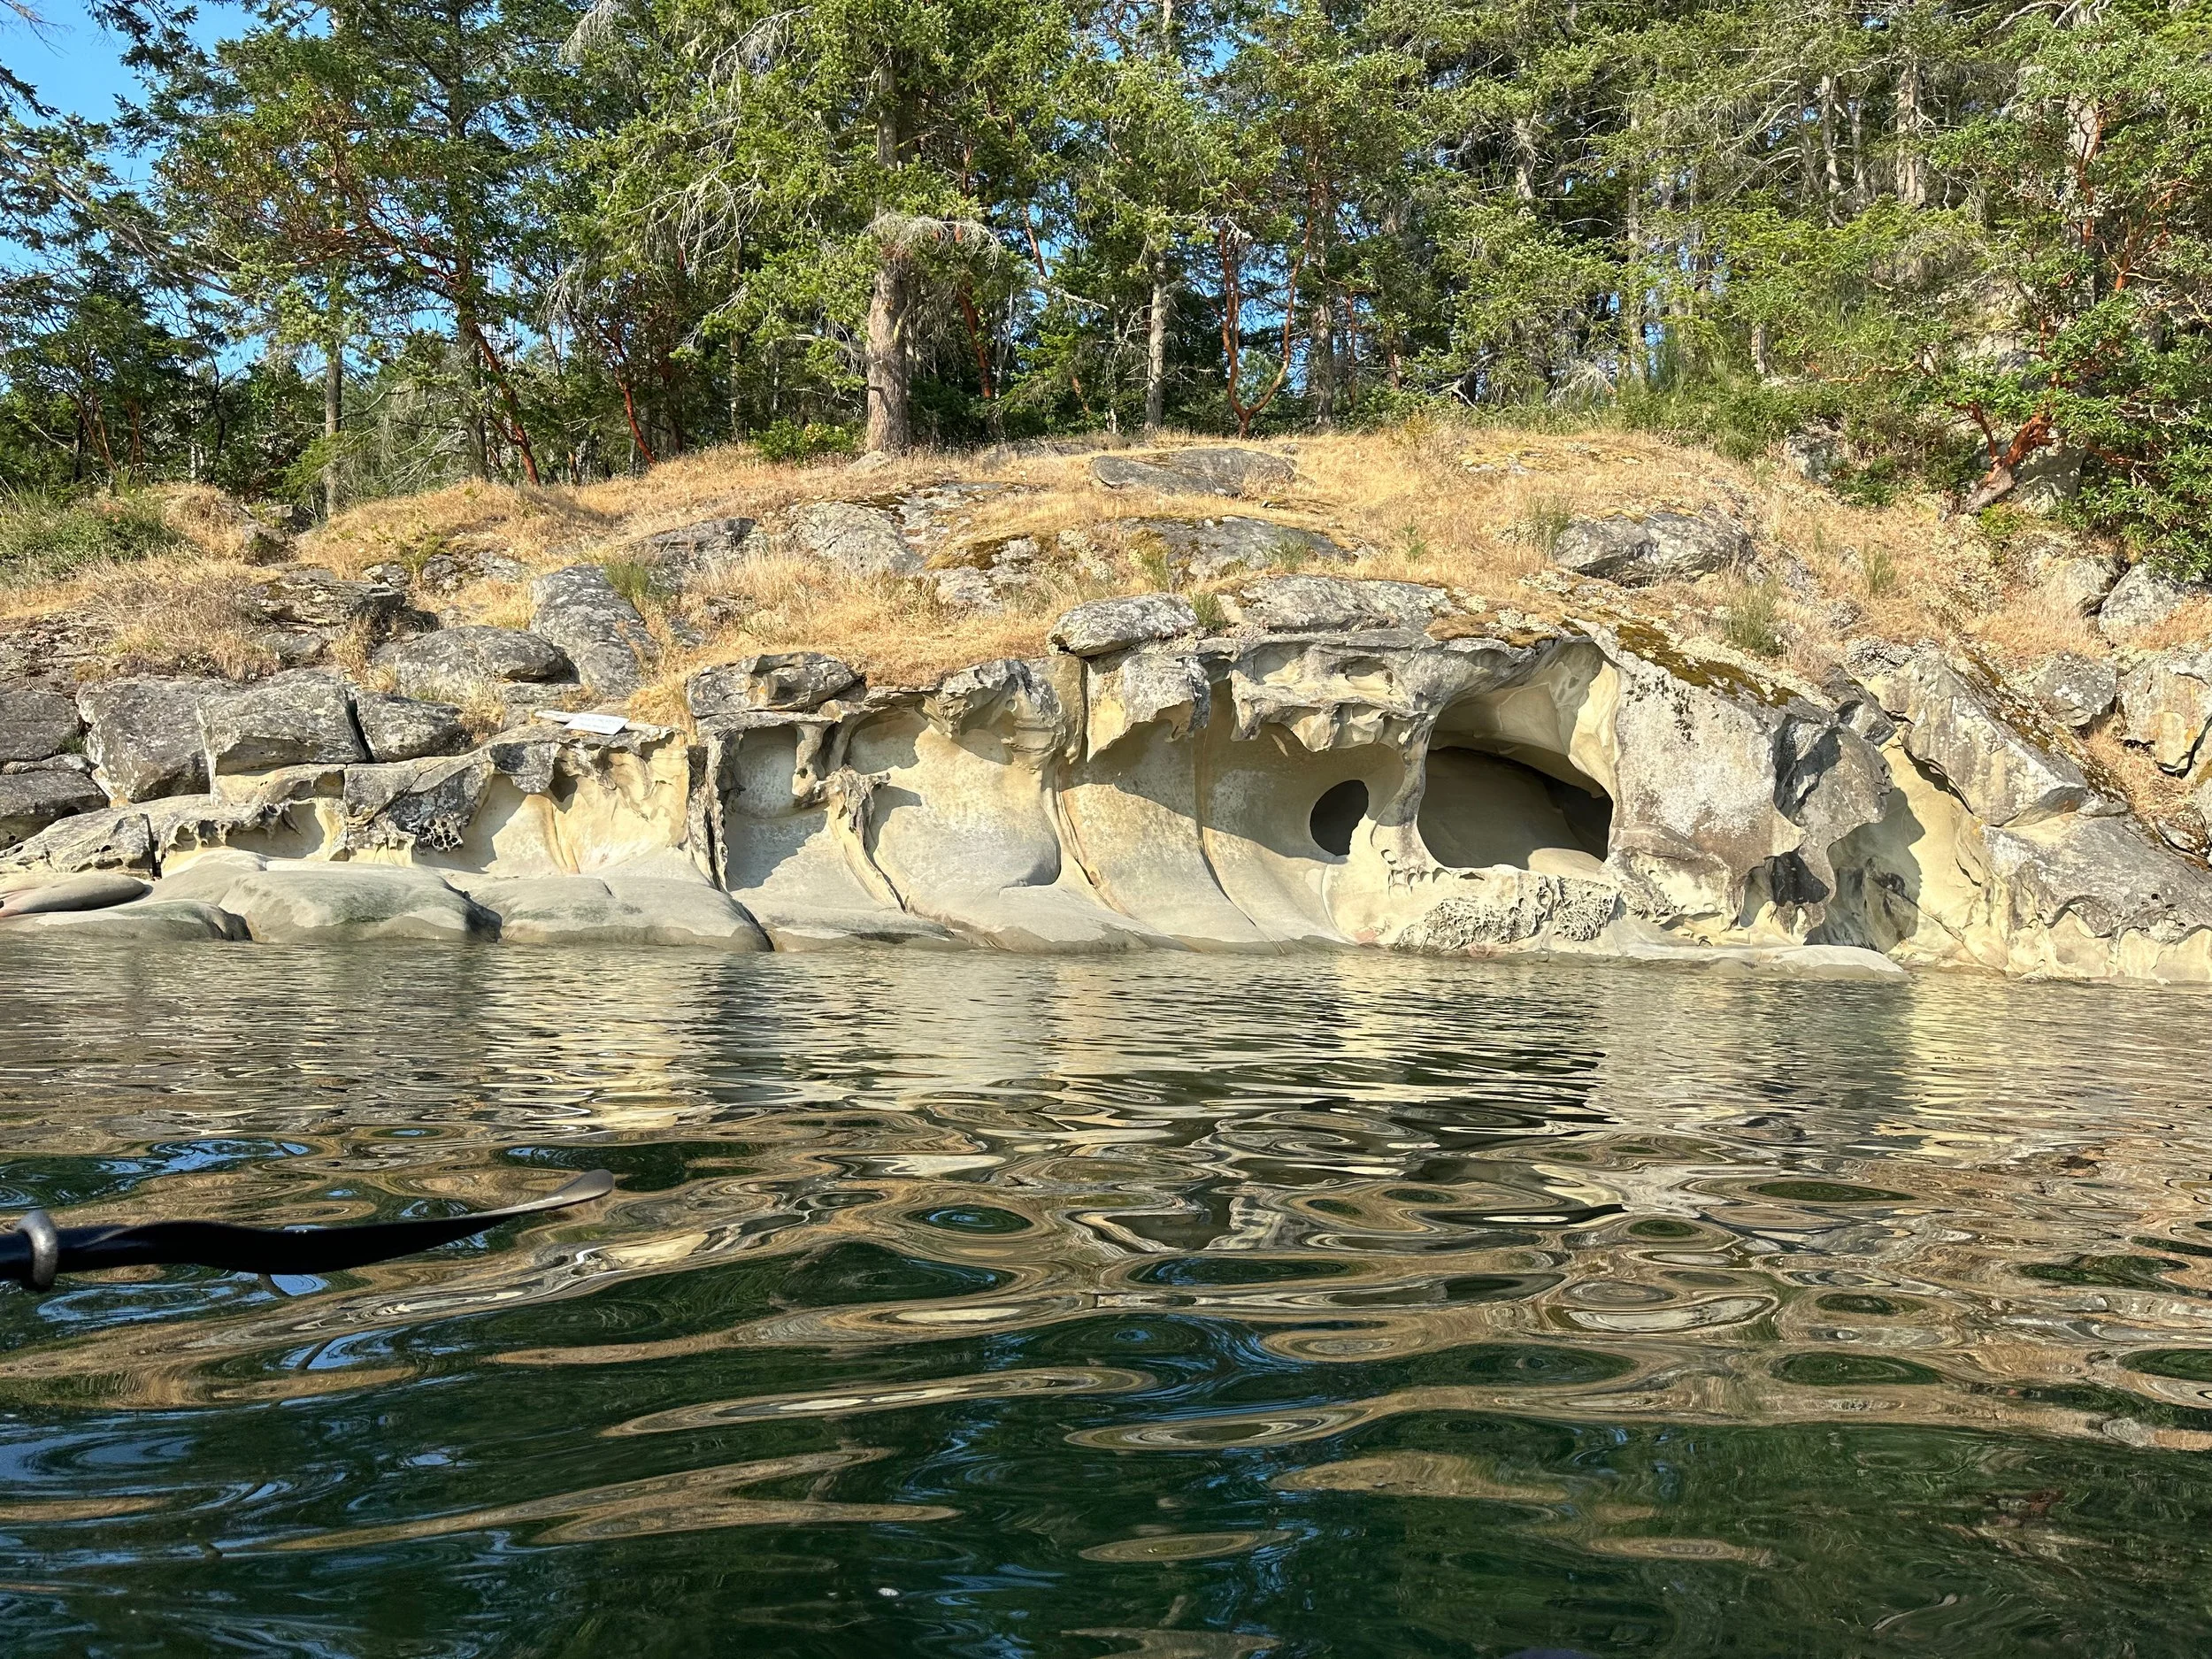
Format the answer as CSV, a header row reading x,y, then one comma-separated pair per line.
x,y
1434,501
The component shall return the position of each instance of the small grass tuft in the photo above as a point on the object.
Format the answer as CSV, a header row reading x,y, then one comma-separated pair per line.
x,y
1752,621
1544,519
633,580
1208,605
1878,570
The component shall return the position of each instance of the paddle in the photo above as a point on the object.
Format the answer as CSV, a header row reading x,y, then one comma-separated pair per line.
x,y
37,1249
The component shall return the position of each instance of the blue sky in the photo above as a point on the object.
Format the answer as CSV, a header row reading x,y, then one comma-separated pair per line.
x,y
76,66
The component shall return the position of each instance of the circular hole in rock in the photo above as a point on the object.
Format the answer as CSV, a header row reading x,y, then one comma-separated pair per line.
x,y
1336,815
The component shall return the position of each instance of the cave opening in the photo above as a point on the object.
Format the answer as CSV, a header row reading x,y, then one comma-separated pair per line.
x,y
1481,809
1336,815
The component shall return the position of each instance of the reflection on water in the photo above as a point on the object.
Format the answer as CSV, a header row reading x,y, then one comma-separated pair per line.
x,y
997,1307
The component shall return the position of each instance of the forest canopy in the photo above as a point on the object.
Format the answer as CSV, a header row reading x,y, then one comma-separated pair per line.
x,y
369,246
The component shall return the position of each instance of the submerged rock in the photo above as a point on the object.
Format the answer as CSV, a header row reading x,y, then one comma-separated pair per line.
x,y
310,903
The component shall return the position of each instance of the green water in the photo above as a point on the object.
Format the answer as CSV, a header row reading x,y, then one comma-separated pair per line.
x,y
977,1306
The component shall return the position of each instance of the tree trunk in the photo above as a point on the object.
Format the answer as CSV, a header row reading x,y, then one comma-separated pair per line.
x,y
1321,363
333,394
1156,348
890,374
1912,161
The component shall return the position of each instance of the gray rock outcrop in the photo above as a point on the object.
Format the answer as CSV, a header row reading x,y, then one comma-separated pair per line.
x,y
30,800
854,537
1661,546
403,728
693,553
36,725
144,735
1203,550
2078,579
299,718
1111,624
601,632
1209,470
2139,601
1324,604
477,664
2073,690
2166,698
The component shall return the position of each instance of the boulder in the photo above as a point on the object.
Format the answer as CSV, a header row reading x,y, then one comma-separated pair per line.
x,y
301,718
1320,605
692,553
579,611
30,800
2104,872
403,728
2167,699
616,909
2073,690
1663,546
2138,602
311,903
1210,470
106,838
2073,578
860,539
1110,625
796,680
476,664
35,723
144,735
95,890
1200,549
1961,724
321,599
147,922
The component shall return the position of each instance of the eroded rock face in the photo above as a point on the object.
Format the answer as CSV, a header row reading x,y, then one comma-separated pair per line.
x,y
1211,470
1324,775
599,631
1660,548
35,725
787,681
2076,579
144,735
1963,725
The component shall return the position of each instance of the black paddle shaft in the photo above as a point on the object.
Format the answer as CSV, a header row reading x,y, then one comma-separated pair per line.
x,y
37,1249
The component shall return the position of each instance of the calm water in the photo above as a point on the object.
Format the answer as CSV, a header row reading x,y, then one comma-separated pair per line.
x,y
977,1306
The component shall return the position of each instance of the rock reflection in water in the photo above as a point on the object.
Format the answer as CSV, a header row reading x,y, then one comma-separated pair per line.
x,y
1060,1211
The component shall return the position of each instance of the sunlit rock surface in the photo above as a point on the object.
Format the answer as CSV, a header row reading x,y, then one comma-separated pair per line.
x,y
1338,765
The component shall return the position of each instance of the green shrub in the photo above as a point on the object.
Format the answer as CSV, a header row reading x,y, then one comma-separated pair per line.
x,y
1207,606
632,580
1878,570
789,440
44,538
